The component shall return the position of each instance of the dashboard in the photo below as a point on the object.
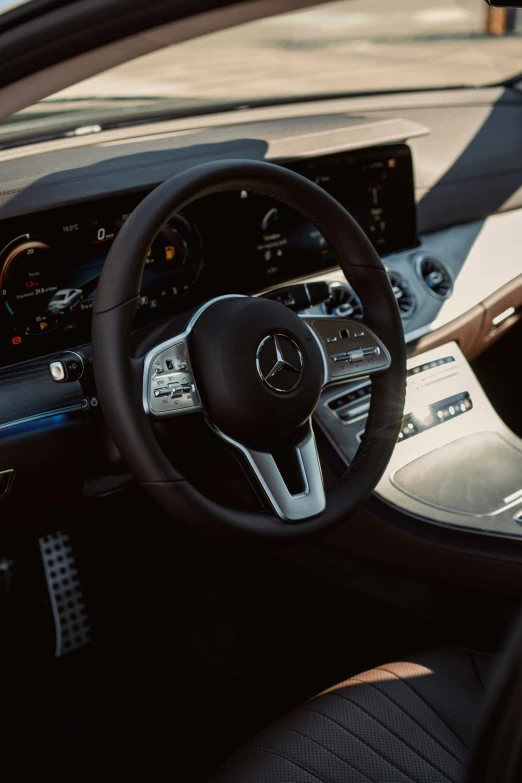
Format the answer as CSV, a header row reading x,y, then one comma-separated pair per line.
x,y
236,242
451,248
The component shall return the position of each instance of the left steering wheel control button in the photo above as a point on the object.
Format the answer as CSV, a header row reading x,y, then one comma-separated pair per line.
x,y
169,383
179,393
171,360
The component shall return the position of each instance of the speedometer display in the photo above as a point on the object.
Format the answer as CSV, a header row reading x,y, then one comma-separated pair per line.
x,y
28,283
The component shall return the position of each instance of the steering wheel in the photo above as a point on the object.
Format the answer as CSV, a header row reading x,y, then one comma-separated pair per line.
x,y
251,366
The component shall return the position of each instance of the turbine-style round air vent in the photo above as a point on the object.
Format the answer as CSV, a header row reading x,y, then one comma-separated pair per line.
x,y
435,275
405,297
343,302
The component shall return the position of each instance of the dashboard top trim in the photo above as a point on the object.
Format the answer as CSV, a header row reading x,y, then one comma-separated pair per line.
x,y
32,183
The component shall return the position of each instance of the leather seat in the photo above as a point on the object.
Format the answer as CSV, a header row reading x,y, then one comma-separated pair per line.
x,y
407,722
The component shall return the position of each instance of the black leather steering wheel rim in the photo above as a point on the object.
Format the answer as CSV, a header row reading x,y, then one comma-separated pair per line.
x,y
118,375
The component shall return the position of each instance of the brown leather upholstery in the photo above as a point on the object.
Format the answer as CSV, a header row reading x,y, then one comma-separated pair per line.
x,y
407,722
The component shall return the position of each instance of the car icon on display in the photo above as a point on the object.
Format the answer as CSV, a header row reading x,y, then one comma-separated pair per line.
x,y
67,299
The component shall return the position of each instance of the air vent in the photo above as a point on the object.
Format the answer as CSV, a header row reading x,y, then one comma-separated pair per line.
x,y
405,297
435,275
343,302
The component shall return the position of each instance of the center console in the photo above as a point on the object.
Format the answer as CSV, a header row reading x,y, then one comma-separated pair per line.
x,y
456,463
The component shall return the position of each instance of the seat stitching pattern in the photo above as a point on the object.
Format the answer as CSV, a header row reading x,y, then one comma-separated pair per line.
x,y
363,742
328,750
417,722
407,684
397,736
295,764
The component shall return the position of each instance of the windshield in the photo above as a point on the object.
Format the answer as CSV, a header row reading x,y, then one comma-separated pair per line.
x,y
345,47
6,5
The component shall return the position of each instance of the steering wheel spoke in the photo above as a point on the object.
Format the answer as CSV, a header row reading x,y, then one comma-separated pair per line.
x,y
349,348
169,387
290,478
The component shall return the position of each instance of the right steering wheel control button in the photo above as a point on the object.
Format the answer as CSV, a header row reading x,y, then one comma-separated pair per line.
x,y
357,351
357,355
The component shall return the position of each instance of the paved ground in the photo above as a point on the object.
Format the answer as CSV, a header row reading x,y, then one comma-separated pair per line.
x,y
351,45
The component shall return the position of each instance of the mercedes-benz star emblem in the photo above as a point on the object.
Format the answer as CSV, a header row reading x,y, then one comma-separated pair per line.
x,y
280,363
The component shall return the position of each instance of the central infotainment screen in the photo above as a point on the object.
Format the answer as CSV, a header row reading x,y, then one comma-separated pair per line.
x,y
376,186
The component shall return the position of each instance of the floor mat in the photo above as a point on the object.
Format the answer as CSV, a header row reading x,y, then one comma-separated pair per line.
x,y
198,646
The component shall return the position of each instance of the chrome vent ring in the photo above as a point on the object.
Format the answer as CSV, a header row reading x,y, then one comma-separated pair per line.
x,y
435,275
406,299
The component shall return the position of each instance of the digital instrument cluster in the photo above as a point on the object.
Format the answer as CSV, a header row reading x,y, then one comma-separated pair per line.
x,y
50,263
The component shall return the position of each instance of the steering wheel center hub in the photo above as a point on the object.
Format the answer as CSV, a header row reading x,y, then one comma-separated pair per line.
x,y
280,363
260,368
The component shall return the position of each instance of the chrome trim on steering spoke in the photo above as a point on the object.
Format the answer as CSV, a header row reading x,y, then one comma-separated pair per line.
x,y
350,350
291,508
161,348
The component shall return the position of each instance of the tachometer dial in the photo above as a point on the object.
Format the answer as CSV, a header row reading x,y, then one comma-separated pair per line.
x,y
29,290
